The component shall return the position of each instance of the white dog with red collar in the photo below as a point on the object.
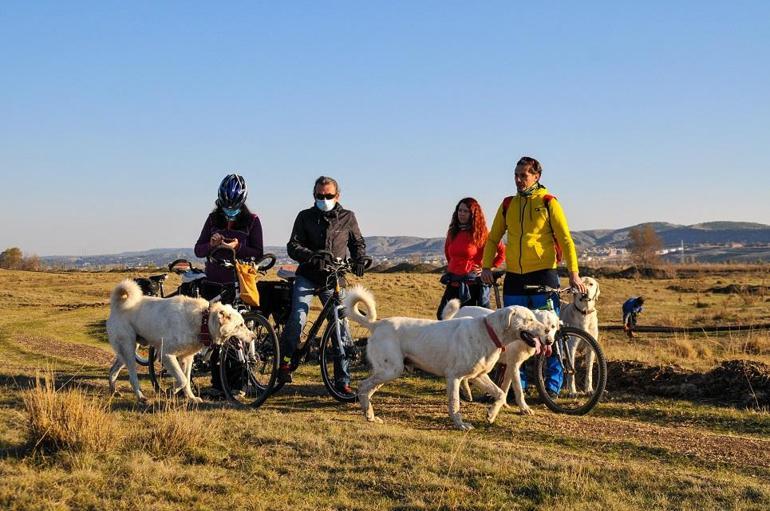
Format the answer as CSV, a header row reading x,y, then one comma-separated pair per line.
x,y
175,327
517,353
456,349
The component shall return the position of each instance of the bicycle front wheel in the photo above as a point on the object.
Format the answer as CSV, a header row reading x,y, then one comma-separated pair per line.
x,y
248,370
163,382
344,364
585,373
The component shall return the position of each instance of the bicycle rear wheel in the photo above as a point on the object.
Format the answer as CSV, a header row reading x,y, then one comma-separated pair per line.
x,y
334,355
142,355
585,373
248,370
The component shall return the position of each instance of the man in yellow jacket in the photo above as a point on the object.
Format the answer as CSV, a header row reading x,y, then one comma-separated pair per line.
x,y
538,235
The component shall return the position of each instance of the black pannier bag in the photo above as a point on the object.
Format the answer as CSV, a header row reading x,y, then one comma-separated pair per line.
x,y
200,288
148,287
275,299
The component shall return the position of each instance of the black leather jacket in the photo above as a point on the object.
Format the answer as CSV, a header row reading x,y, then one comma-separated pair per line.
x,y
335,231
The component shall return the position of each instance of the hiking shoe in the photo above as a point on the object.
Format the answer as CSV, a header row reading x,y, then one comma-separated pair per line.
x,y
345,389
284,374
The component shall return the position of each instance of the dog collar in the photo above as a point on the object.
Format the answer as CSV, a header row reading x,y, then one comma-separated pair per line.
x,y
205,336
585,312
493,336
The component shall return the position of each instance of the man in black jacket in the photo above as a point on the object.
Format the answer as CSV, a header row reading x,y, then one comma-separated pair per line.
x,y
327,226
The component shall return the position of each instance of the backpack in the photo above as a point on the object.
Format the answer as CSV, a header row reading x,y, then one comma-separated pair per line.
x,y
547,198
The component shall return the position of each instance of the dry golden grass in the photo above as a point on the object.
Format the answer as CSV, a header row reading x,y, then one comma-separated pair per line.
x,y
302,450
66,419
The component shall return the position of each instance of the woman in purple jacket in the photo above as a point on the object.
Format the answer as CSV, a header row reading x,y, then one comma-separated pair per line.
x,y
231,224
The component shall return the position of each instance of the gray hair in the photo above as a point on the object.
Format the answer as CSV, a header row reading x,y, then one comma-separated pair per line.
x,y
326,180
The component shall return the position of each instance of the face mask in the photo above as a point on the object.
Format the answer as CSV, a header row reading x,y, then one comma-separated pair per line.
x,y
231,214
325,204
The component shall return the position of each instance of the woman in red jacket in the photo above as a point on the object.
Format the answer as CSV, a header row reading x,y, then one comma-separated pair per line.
x,y
464,249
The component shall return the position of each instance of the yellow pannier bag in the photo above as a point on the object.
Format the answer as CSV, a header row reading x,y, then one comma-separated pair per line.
x,y
247,278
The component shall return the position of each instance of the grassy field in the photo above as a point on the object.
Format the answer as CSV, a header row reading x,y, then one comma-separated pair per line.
x,y
80,448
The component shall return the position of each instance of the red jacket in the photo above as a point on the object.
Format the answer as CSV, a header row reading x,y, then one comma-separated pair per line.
x,y
462,255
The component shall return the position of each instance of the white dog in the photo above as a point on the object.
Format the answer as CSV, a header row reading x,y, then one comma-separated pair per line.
x,y
455,349
171,325
581,313
515,354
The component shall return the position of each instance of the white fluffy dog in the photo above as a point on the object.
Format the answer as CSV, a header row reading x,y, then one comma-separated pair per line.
x,y
581,313
171,325
515,354
455,349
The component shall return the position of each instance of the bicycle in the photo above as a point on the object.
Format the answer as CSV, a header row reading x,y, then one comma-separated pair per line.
x,y
246,372
582,360
332,354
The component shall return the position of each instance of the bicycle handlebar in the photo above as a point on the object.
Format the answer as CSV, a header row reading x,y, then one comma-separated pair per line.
x,y
549,289
228,262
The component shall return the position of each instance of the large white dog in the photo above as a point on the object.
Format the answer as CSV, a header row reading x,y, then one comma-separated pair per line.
x,y
172,325
581,313
515,354
455,349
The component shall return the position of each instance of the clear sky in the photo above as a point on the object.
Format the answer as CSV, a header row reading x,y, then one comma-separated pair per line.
x,y
119,119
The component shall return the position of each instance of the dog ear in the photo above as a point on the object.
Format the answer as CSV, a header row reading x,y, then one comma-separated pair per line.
x,y
512,314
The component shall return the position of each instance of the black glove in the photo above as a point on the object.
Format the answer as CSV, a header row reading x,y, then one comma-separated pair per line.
x,y
358,268
318,261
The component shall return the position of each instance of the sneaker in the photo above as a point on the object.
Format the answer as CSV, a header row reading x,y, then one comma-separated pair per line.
x,y
284,374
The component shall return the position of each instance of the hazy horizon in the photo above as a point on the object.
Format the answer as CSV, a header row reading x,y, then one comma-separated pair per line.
x,y
121,119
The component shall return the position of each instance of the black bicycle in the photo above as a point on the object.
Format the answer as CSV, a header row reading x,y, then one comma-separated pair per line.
x,y
246,371
582,360
340,343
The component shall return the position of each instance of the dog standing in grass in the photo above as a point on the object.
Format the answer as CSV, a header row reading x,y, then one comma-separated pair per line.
x,y
455,349
581,313
515,354
172,326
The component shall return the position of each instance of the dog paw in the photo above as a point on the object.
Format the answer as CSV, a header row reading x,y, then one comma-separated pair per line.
x,y
375,420
464,426
142,400
115,393
525,410
196,400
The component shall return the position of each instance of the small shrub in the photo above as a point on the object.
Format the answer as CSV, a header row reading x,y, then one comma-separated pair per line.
x,y
757,345
66,420
175,431
684,348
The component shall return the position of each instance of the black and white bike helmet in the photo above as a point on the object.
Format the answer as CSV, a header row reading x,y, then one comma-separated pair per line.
x,y
232,192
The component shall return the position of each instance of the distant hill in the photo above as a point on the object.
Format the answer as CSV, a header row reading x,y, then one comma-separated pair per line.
x,y
709,242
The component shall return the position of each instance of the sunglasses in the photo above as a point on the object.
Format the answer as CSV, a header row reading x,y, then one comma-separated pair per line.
x,y
327,196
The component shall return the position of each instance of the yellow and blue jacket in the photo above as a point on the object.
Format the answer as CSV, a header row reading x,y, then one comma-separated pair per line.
x,y
534,225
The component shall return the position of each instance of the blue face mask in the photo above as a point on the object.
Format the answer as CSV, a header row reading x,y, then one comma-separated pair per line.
x,y
325,204
231,214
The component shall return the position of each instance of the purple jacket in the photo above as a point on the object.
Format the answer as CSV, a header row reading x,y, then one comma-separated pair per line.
x,y
247,229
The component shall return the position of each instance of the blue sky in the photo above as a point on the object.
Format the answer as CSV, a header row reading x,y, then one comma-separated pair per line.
x,y
119,119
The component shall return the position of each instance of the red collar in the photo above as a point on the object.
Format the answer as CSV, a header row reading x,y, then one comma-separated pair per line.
x,y
205,336
493,336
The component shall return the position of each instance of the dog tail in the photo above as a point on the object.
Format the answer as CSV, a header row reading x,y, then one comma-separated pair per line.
x,y
355,296
450,309
125,295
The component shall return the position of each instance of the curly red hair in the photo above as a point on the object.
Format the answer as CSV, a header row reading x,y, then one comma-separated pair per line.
x,y
478,231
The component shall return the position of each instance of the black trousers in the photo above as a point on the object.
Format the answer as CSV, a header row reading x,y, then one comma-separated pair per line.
x,y
479,296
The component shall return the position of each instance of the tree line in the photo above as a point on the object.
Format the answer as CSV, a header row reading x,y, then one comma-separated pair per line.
x,y
14,259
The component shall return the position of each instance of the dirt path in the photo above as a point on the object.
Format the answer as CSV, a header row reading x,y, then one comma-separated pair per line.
x,y
686,441
70,351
